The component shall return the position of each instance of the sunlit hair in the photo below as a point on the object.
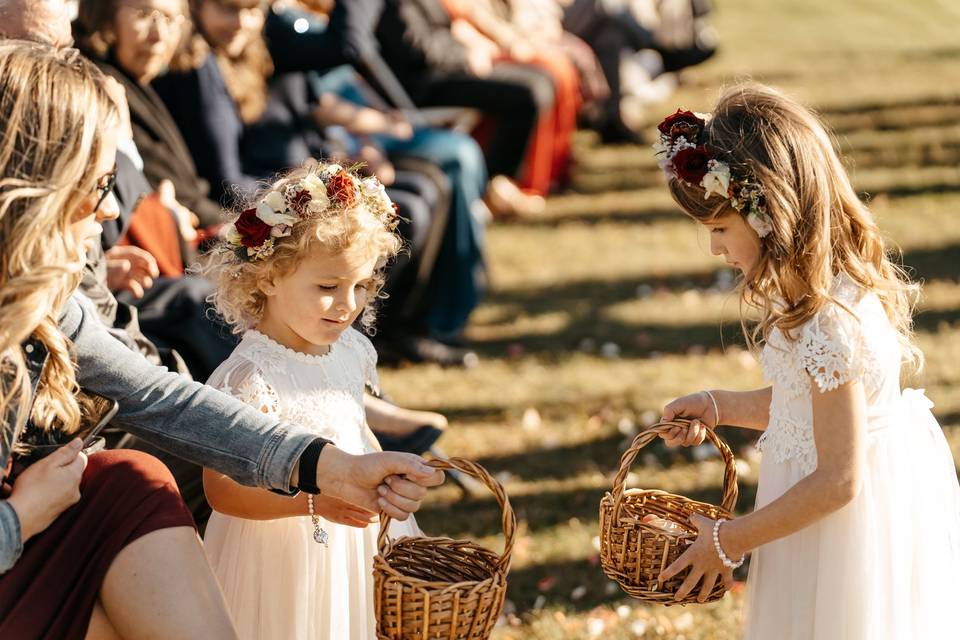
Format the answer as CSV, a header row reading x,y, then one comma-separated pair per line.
x,y
239,296
820,226
53,105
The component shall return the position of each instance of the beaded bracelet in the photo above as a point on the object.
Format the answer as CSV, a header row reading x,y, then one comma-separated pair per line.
x,y
727,562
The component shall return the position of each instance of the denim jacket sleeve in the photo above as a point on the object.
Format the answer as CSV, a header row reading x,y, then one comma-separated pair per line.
x,y
186,418
11,544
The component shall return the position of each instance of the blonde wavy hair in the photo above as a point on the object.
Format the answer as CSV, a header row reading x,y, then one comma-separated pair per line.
x,y
239,297
52,105
820,227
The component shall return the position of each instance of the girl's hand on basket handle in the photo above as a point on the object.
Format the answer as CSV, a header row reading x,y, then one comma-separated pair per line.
x,y
695,407
702,559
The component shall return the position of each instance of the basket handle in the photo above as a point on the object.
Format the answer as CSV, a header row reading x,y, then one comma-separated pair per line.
x,y
645,437
509,519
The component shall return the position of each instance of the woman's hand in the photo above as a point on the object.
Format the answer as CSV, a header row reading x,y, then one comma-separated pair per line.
x,y
47,488
696,407
336,510
703,560
130,268
393,482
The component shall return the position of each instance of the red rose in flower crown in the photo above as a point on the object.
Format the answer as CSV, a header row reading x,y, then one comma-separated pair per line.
x,y
691,164
682,123
253,231
299,202
340,187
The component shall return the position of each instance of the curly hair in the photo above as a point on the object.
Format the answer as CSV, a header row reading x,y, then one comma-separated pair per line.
x,y
820,227
53,105
362,225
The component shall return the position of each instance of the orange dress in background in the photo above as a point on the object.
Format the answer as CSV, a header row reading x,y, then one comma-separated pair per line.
x,y
547,161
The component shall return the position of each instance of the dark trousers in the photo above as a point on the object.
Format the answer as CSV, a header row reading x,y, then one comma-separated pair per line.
x,y
514,95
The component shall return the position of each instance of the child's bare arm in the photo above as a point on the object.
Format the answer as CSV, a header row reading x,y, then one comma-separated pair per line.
x,y
839,425
838,422
747,409
227,497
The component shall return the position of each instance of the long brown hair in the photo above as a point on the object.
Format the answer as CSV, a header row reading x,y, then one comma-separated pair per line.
x,y
53,104
820,227
245,75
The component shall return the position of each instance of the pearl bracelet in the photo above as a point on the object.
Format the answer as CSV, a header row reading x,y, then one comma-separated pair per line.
x,y
727,562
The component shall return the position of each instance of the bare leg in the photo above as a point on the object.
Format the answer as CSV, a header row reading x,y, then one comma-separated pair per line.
x,y
100,627
160,587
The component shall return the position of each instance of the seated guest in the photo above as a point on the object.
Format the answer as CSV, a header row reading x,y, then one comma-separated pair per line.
x,y
242,124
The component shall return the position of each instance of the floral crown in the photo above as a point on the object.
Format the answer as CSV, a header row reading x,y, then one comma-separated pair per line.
x,y
683,155
327,190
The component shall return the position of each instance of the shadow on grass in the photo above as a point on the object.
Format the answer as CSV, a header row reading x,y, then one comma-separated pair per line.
x,y
584,303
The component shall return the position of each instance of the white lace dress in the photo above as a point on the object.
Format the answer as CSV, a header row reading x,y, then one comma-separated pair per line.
x,y
887,565
279,583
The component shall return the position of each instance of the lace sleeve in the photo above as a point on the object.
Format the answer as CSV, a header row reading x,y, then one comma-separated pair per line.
x,y
246,382
368,354
831,347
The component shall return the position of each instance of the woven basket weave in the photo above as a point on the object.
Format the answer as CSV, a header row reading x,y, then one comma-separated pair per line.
x,y
633,552
439,588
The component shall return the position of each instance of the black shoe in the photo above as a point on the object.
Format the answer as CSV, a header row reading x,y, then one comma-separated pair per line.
x,y
422,349
616,132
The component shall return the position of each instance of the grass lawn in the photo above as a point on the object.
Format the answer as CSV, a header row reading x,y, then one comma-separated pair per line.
x,y
610,305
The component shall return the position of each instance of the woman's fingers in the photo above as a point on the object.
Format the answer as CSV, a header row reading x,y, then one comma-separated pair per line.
x,y
406,488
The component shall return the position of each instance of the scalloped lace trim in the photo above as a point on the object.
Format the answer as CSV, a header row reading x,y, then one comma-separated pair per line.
x,y
788,439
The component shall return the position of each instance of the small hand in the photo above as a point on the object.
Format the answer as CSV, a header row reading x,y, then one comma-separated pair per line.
x,y
479,61
336,510
702,559
47,488
187,221
698,408
399,126
130,269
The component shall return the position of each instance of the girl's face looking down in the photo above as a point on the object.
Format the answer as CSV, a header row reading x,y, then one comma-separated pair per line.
x,y
732,238
308,308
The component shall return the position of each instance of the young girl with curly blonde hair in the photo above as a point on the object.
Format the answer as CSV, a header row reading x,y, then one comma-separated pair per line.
x,y
297,268
856,529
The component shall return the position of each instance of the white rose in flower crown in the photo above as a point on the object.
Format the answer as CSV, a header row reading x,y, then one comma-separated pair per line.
x,y
270,210
280,231
318,193
233,236
717,179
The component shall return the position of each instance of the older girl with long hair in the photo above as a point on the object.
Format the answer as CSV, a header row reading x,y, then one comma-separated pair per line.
x,y
856,530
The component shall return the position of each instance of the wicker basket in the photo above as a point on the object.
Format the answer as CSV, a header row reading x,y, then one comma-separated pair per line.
x,y
427,588
633,552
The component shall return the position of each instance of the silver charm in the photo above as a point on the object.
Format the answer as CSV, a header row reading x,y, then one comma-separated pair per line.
x,y
319,534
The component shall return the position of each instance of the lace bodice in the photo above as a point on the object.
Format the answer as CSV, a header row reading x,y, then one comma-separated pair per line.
x,y
833,348
323,393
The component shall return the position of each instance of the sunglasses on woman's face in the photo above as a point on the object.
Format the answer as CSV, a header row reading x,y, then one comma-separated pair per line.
x,y
105,187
